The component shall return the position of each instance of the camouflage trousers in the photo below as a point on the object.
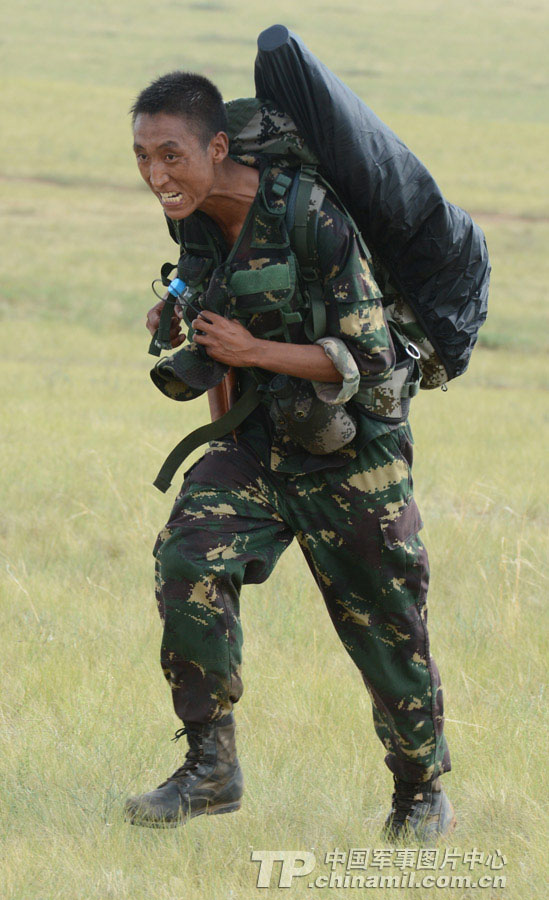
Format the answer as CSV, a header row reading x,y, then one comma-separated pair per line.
x,y
358,529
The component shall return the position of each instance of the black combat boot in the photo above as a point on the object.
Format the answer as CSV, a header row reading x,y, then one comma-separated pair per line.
x,y
209,781
421,811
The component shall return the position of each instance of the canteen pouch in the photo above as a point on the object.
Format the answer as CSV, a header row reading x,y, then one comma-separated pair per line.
x,y
312,424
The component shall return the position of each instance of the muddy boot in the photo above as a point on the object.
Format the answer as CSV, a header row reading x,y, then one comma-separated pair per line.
x,y
209,781
420,811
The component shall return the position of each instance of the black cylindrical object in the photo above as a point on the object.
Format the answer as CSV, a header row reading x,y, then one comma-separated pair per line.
x,y
433,250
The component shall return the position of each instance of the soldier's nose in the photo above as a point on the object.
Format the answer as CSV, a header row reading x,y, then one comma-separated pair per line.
x,y
158,177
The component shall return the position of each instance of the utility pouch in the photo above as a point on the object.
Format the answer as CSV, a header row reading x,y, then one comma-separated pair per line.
x,y
187,373
390,400
312,424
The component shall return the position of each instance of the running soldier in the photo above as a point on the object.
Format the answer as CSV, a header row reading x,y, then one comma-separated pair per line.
x,y
324,457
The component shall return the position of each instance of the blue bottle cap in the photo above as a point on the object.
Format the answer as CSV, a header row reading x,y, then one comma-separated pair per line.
x,y
176,287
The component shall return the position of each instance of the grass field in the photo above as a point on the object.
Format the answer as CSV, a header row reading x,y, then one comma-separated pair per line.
x,y
85,715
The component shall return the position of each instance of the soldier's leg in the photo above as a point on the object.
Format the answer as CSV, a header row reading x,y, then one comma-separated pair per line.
x,y
358,530
222,532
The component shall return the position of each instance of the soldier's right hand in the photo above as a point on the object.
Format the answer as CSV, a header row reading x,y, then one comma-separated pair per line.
x,y
153,320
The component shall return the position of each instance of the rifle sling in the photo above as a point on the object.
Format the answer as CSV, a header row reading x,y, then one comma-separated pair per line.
x,y
210,432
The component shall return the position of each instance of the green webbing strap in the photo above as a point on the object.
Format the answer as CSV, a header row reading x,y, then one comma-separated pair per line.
x,y
211,432
305,248
315,326
303,230
161,337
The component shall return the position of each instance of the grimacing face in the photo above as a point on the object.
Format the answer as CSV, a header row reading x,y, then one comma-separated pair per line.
x,y
174,163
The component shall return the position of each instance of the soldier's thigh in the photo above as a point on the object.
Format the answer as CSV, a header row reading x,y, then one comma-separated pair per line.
x,y
359,530
224,519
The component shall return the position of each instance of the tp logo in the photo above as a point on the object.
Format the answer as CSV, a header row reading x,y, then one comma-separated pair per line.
x,y
289,869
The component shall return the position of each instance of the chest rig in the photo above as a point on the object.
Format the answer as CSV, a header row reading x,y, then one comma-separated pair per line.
x,y
259,280
256,281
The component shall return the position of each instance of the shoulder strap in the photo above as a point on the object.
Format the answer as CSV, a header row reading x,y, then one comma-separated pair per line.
x,y
302,222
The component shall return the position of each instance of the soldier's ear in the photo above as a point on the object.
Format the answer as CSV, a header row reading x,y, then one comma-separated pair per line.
x,y
219,146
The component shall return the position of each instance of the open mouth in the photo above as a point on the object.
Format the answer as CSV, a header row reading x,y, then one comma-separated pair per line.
x,y
171,198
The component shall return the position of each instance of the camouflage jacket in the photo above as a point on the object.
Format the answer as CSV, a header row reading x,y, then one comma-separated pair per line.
x,y
257,281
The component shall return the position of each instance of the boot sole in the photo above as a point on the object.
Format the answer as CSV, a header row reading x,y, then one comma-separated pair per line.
x,y
166,823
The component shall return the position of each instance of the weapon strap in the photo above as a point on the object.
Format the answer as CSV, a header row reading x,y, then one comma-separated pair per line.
x,y
210,432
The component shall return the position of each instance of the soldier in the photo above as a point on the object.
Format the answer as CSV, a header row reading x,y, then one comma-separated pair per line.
x,y
310,461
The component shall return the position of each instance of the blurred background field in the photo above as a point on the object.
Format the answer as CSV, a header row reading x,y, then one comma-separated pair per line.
x,y
85,717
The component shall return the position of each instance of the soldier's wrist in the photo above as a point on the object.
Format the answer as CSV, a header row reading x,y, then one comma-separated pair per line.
x,y
257,352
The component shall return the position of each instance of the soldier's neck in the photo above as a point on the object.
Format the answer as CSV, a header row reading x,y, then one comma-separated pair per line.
x,y
231,196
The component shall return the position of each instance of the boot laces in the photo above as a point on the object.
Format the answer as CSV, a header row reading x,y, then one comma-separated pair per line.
x,y
193,755
403,800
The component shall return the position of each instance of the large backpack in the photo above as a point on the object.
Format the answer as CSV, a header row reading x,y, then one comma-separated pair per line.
x,y
430,258
433,261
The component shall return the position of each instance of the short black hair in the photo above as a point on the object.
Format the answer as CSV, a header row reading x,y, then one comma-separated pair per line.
x,y
186,94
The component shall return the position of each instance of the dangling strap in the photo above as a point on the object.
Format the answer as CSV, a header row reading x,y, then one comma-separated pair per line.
x,y
211,432
161,337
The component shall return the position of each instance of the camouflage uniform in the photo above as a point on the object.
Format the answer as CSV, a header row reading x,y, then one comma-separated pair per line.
x,y
351,509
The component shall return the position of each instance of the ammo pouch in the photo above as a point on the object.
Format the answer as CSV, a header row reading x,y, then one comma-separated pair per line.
x,y
316,426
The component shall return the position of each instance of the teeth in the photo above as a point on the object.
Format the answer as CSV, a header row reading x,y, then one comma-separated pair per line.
x,y
171,196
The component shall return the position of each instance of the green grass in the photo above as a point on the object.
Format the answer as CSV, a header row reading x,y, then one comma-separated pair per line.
x,y
85,715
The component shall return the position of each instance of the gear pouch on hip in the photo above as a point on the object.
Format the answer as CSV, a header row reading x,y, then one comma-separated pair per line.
x,y
312,424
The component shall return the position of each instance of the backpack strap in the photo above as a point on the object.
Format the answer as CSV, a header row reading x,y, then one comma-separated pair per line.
x,y
302,223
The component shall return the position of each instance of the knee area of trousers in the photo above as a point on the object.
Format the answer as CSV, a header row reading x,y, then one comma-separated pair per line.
x,y
176,562
186,561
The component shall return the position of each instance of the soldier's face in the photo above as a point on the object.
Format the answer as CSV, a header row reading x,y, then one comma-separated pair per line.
x,y
174,163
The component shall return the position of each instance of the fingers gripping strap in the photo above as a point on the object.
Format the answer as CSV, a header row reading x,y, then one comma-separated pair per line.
x,y
211,432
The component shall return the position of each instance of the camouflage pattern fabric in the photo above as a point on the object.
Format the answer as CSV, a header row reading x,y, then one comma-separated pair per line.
x,y
259,126
391,399
334,394
320,428
401,316
358,529
187,373
257,283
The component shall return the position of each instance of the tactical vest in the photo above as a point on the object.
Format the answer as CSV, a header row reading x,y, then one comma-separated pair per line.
x,y
271,282
260,282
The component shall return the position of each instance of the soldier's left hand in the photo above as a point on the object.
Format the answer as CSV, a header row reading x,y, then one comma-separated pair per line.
x,y
225,340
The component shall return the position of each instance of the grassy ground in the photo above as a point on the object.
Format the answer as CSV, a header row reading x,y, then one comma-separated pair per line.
x,y
85,716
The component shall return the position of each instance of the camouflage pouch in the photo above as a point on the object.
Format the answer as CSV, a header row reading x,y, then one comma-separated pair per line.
x,y
312,424
187,373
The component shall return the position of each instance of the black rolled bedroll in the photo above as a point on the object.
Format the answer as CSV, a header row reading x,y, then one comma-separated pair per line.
x,y
435,253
